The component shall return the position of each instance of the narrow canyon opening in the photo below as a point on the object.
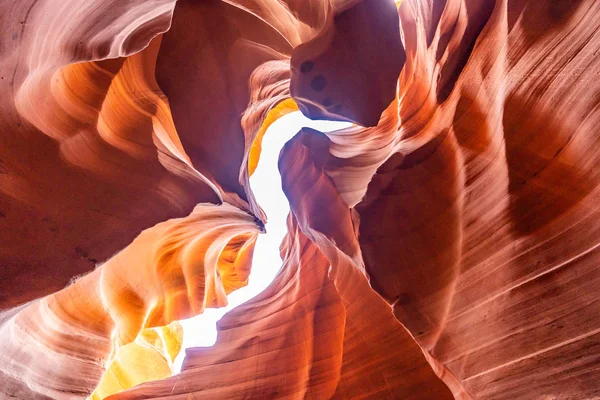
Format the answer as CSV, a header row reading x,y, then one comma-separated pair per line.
x,y
265,182
446,246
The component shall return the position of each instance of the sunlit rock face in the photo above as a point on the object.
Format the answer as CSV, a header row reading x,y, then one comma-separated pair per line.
x,y
444,246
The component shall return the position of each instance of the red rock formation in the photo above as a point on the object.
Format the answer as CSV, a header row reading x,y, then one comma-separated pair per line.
x,y
457,236
314,333
170,271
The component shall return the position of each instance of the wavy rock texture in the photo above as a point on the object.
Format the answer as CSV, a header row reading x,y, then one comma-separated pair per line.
x,y
315,336
449,249
59,345
90,148
149,357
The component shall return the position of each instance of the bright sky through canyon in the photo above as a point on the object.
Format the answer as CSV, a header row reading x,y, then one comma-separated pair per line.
x,y
201,330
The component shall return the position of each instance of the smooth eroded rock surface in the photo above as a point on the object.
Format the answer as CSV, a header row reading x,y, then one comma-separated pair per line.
x,y
444,246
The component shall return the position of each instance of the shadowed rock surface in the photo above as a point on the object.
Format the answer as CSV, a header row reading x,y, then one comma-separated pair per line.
x,y
444,246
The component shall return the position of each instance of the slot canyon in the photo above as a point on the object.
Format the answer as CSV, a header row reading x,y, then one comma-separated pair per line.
x,y
299,199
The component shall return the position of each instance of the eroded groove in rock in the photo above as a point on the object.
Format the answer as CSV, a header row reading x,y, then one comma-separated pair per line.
x,y
206,37
529,190
59,345
301,319
77,153
470,203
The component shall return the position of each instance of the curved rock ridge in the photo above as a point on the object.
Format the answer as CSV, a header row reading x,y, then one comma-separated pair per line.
x,y
495,207
148,358
59,345
87,143
488,188
447,249
301,318
109,158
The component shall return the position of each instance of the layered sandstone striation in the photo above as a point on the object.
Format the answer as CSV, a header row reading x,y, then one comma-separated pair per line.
x,y
446,245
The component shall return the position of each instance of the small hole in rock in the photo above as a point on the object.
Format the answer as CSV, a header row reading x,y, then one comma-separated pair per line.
x,y
306,66
318,83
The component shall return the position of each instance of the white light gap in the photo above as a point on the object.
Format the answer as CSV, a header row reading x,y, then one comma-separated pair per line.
x,y
201,330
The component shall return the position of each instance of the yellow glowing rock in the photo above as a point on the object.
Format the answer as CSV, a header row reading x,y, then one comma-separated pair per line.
x,y
149,357
285,107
